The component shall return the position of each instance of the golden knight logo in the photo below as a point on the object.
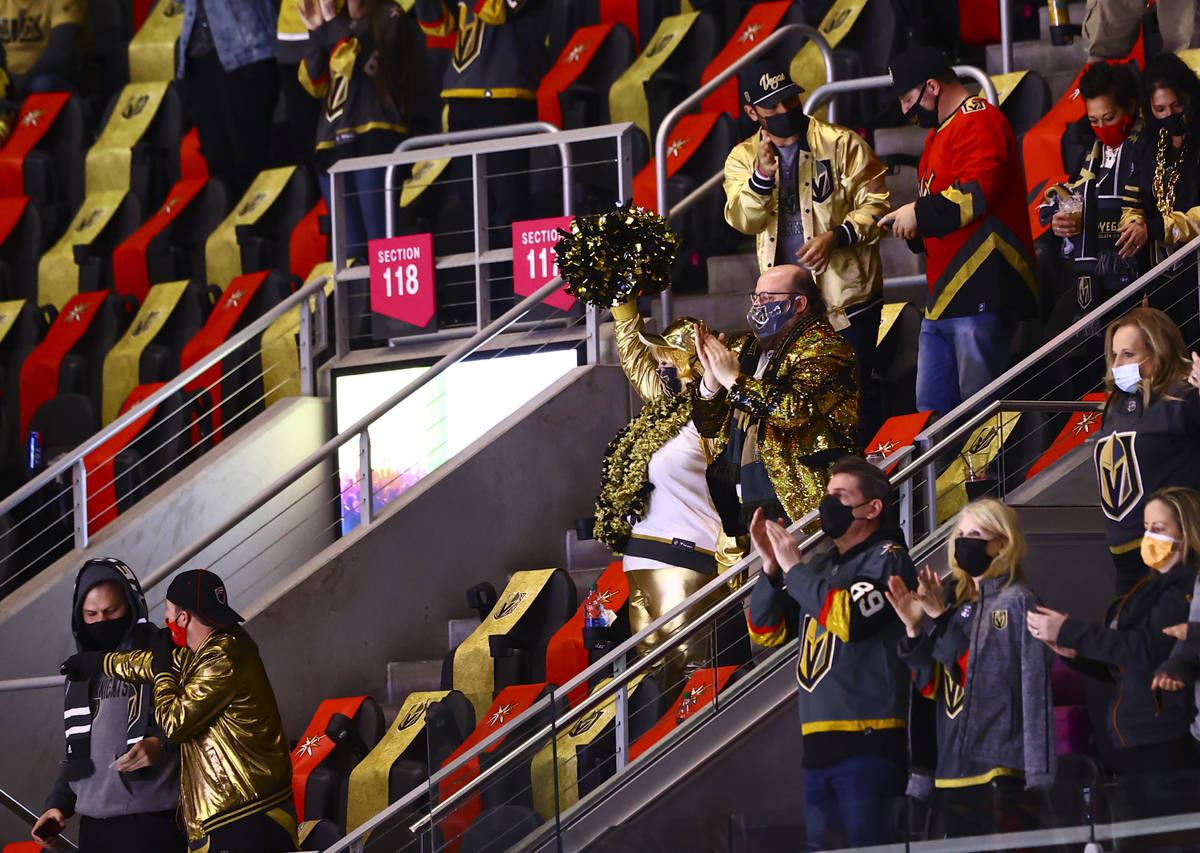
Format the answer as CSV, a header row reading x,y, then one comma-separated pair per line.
x,y
509,606
1120,478
134,105
249,207
414,715
584,724
816,654
999,619
952,696
470,39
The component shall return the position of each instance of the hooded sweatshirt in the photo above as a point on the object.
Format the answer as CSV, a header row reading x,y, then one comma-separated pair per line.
x,y
106,792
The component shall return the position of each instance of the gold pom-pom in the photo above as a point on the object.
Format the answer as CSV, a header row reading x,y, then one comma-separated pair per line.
x,y
608,257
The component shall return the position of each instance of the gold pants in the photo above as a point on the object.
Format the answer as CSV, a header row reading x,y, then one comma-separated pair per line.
x,y
652,592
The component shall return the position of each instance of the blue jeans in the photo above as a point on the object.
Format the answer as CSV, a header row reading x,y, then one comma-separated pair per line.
x,y
366,210
854,802
957,356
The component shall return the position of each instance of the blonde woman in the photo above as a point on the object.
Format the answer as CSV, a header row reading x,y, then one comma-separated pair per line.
x,y
1147,734
989,677
1150,433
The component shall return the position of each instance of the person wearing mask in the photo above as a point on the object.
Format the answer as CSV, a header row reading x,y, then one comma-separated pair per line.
x,y
988,675
226,59
654,507
359,64
810,193
120,776
972,223
781,403
212,697
1149,434
853,688
38,40
1106,254
1148,738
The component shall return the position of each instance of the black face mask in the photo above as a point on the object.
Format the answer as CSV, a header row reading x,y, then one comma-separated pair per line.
x,y
786,125
669,376
836,517
1176,124
926,118
105,636
972,556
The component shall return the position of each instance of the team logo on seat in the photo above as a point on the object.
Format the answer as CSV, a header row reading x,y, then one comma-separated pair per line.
x,y
415,714
660,45
248,208
309,746
583,725
89,219
145,323
509,606
1119,475
838,20
134,105
500,717
817,649
172,9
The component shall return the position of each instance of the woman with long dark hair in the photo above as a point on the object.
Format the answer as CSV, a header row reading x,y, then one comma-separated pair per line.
x,y
360,63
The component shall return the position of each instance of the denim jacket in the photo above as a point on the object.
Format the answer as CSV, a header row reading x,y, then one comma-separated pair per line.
x,y
243,30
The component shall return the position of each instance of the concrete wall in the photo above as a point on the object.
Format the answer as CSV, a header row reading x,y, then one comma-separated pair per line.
x,y
34,620
385,593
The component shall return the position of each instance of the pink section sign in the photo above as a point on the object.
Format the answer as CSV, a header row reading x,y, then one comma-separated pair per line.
x,y
534,261
402,278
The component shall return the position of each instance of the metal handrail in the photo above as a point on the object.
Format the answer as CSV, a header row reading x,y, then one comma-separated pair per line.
x,y
826,91
644,662
1047,349
433,140
357,429
69,460
1006,47
668,123
23,813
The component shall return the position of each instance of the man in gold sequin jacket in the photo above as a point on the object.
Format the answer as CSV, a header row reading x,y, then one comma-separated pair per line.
x,y
781,403
212,696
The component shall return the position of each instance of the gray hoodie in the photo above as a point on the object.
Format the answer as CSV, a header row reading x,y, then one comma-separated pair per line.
x,y
107,792
991,681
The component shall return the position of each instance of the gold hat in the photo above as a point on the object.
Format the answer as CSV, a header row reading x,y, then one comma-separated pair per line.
x,y
679,335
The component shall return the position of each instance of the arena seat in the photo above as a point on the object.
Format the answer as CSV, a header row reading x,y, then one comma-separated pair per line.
x,y
20,246
573,647
137,150
228,396
640,17
256,235
897,432
151,51
280,347
309,244
341,733
81,260
169,246
698,692
22,327
43,159
152,346
509,647
574,92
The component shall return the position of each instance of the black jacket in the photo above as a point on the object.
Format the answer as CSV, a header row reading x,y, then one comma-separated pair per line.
x,y
1128,653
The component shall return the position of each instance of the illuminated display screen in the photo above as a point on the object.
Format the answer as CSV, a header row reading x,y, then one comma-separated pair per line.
x,y
439,420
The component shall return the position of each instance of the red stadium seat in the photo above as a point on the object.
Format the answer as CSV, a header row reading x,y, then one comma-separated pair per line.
x,y
699,691
340,734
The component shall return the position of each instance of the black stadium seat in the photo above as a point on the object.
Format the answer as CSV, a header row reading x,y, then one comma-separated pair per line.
x,y
680,75
154,167
52,171
20,246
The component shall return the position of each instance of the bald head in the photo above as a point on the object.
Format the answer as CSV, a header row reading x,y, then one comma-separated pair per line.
x,y
788,281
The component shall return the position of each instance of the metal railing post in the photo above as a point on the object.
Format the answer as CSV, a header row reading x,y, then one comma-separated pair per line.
x,y
826,91
931,520
479,192
79,493
366,485
337,227
621,720
304,342
1006,46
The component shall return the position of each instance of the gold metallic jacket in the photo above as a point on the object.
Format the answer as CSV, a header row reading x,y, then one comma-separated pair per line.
x,y
808,403
848,189
640,363
218,705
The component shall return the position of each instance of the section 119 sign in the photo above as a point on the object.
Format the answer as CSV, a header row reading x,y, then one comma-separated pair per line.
x,y
402,278
534,261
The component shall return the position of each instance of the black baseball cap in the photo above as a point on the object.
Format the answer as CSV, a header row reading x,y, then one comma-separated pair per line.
x,y
203,593
765,85
913,66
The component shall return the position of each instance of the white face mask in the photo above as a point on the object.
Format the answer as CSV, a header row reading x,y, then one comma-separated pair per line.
x,y
1127,376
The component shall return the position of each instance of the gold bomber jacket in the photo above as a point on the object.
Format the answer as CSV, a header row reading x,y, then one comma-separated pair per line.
x,y
640,363
841,184
807,401
218,705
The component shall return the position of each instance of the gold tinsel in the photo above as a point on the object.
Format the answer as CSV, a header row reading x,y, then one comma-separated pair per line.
x,y
608,257
624,475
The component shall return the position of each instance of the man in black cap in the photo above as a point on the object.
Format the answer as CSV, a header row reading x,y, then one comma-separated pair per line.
x,y
971,221
811,193
212,696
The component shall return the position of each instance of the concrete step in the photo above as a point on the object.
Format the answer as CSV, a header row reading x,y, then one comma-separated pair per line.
x,y
729,273
725,312
1076,11
907,140
409,676
458,630
585,553
584,578
1040,56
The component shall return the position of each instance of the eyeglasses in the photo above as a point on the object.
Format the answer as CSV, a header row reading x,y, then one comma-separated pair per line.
x,y
760,298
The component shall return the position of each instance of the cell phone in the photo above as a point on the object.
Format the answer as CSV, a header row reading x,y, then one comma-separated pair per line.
x,y
48,830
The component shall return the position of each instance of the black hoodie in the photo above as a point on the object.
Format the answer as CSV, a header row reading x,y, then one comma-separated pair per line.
x,y
104,792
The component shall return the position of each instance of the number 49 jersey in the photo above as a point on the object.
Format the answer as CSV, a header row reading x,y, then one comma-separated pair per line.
x,y
848,671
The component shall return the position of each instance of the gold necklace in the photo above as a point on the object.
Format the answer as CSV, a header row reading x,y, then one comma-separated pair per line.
x,y
1165,177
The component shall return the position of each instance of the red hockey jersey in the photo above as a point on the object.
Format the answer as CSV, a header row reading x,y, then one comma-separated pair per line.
x,y
972,217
